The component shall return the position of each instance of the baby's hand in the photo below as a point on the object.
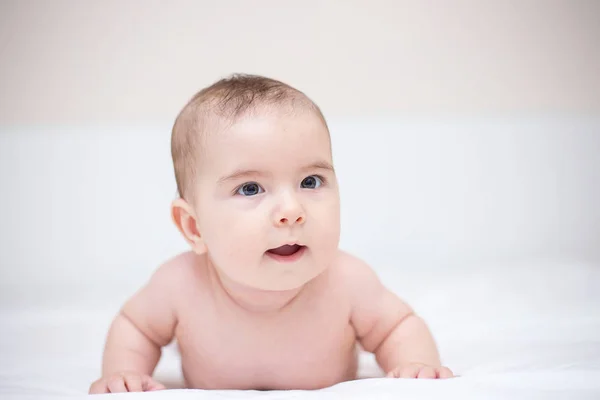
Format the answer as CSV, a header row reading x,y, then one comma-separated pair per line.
x,y
125,382
420,371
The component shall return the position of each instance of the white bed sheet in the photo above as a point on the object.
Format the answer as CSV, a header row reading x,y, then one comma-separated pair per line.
x,y
526,333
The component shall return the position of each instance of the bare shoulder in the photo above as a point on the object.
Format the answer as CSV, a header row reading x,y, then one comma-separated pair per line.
x,y
353,271
155,308
178,275
181,267
375,309
356,279
168,284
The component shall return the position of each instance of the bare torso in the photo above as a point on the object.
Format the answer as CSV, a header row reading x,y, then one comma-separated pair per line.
x,y
233,337
307,345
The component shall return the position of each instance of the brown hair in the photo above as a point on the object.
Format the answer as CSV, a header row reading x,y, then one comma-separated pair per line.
x,y
228,99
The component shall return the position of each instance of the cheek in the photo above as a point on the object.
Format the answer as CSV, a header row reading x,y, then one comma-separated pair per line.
x,y
326,221
233,232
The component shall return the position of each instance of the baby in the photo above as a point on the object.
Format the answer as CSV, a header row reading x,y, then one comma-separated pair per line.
x,y
265,299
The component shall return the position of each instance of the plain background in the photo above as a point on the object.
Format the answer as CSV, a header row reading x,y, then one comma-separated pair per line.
x,y
466,133
97,62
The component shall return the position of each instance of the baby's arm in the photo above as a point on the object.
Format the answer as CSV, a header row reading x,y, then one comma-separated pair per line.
x,y
143,326
388,327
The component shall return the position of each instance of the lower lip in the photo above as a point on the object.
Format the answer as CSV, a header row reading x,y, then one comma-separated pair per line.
x,y
291,258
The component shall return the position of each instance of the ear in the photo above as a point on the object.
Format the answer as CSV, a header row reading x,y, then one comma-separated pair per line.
x,y
185,219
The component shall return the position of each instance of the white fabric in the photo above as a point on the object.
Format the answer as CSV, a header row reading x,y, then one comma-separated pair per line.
x,y
523,331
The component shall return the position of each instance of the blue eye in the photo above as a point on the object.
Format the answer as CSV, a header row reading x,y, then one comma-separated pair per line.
x,y
311,182
250,189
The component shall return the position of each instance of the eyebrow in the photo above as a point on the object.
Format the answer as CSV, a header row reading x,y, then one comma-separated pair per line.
x,y
243,173
319,165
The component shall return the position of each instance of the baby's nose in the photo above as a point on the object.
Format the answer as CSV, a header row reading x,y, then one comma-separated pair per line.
x,y
286,221
290,212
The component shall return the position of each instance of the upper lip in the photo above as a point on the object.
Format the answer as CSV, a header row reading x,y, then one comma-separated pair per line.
x,y
288,244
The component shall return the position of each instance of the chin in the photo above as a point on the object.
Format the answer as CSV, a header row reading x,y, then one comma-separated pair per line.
x,y
285,283
279,286
282,283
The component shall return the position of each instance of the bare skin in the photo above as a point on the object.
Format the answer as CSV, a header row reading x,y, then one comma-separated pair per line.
x,y
309,341
265,299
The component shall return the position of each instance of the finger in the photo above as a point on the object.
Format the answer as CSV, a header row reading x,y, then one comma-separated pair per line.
x,y
427,373
116,385
150,384
133,383
410,371
157,386
444,373
99,387
395,373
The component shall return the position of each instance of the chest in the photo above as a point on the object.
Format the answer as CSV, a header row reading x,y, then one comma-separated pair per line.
x,y
312,346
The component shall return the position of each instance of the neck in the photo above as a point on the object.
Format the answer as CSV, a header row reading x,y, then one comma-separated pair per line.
x,y
253,299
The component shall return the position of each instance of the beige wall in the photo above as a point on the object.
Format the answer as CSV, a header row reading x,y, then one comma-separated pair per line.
x,y
88,62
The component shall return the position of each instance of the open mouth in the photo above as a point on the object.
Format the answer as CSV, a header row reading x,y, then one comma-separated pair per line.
x,y
287,252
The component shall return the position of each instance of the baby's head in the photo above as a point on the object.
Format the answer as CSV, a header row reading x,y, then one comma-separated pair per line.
x,y
254,171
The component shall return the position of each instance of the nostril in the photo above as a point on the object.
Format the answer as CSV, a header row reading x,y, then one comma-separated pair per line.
x,y
300,220
283,220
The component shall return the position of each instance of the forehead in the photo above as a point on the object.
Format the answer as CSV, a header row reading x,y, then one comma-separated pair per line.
x,y
267,141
